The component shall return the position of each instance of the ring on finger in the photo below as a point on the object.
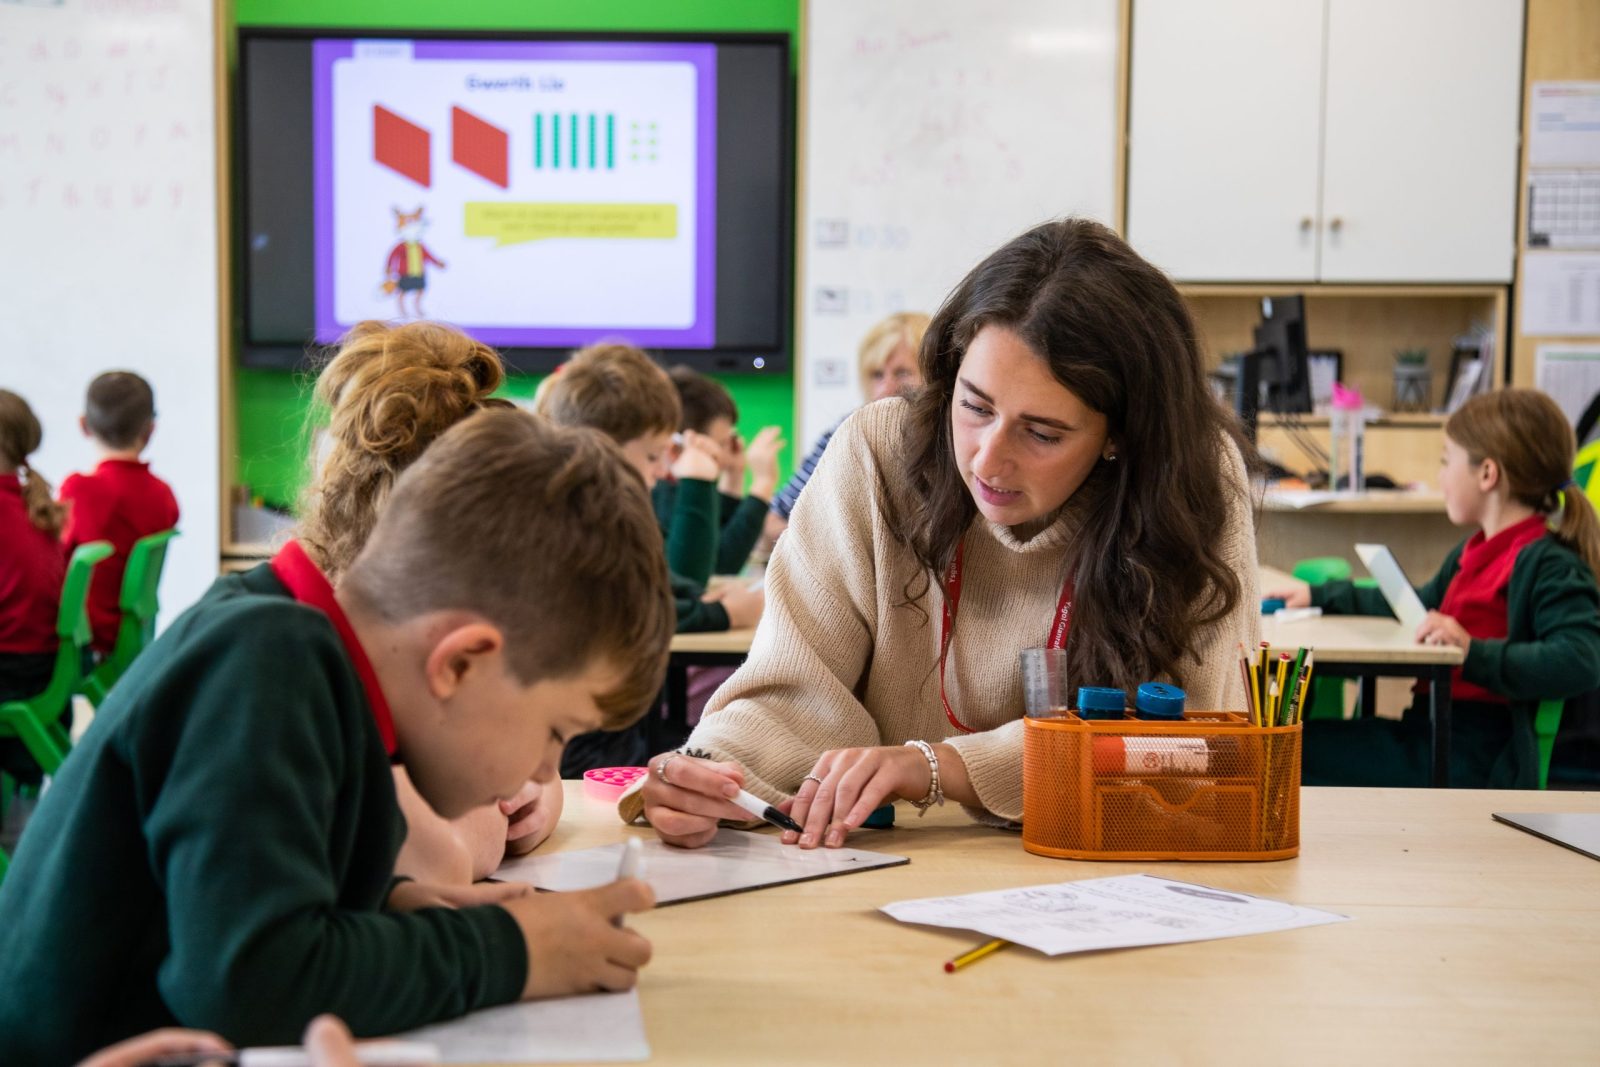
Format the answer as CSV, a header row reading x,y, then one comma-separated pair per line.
x,y
661,768
810,778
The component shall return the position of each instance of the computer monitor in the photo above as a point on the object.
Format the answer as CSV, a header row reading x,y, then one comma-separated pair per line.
x,y
1281,345
1279,362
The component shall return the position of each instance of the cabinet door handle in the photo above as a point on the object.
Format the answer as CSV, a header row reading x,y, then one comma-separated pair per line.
x,y
1305,223
1336,224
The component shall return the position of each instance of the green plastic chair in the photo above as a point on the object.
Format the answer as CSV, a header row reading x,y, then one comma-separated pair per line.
x,y
1546,724
139,606
36,720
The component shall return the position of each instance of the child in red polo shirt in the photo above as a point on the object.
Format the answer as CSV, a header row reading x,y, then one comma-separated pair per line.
x,y
1518,597
120,501
31,569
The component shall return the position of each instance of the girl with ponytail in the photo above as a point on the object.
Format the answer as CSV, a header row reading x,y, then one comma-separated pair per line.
x,y
387,394
32,566
1518,597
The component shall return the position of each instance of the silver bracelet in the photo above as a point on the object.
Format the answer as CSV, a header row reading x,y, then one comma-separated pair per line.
x,y
935,794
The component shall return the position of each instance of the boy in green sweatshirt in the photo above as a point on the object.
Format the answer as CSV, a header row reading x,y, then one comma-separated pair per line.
x,y
217,852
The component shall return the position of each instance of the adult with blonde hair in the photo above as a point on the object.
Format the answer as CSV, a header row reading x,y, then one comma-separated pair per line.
x,y
887,363
1518,597
1063,476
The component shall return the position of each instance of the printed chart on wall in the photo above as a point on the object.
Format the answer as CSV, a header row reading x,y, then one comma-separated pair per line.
x,y
451,173
937,131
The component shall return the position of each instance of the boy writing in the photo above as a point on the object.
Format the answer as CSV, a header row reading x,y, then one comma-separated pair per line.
x,y
120,500
217,852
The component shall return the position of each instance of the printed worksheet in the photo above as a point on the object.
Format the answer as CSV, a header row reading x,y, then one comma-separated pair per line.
x,y
1101,913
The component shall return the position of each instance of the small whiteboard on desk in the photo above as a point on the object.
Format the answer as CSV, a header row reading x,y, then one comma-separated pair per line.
x,y
934,132
734,861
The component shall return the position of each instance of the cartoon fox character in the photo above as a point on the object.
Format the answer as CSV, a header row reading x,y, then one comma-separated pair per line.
x,y
406,270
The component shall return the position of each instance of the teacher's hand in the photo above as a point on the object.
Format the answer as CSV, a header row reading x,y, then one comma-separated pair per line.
x,y
686,797
849,784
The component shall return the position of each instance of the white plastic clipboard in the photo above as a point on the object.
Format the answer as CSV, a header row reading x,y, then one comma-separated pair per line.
x,y
1394,584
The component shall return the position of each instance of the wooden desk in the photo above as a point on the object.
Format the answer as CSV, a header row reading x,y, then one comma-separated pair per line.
x,y
1366,647
1472,943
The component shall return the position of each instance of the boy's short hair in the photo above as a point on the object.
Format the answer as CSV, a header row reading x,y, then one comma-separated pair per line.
x,y
119,408
614,388
545,531
704,400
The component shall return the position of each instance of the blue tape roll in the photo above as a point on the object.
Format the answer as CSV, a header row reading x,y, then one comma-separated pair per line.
x,y
1157,700
1096,702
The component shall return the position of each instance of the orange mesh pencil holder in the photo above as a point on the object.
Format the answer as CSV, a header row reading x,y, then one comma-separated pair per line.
x,y
1212,787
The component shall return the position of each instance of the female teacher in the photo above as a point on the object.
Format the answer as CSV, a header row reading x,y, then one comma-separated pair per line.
x,y
1064,477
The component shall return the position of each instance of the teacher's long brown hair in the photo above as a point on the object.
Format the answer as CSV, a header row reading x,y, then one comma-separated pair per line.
x,y
1149,564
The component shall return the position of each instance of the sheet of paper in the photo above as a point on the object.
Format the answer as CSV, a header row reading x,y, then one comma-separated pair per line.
x,y
734,861
1560,294
1570,374
1564,208
599,1028
1101,913
1566,124
1303,498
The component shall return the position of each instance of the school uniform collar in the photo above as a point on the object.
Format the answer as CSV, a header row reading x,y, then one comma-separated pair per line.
x,y
1513,537
117,461
308,585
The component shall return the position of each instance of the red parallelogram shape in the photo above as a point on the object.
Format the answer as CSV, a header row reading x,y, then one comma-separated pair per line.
x,y
481,147
400,145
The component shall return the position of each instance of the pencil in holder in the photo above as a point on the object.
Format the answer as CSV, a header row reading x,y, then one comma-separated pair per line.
x,y
1208,787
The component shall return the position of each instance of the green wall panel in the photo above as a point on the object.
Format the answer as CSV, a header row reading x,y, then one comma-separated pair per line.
x,y
272,406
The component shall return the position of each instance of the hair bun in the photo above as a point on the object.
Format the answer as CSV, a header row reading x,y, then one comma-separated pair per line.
x,y
392,390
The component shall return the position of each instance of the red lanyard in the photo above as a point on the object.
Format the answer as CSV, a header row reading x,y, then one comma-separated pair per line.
x,y
952,599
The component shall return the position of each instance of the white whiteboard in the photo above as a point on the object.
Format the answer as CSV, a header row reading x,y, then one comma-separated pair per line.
x,y
933,132
108,225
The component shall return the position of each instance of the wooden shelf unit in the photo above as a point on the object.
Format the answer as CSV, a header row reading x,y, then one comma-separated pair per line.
x,y
1368,324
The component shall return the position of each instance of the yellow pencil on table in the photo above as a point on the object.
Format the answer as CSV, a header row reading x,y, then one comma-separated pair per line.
x,y
953,965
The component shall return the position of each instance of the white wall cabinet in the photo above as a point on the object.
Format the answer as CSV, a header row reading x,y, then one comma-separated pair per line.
x,y
1325,140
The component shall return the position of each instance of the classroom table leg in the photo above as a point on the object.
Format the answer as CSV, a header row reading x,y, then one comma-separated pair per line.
x,y
1439,716
1369,697
677,721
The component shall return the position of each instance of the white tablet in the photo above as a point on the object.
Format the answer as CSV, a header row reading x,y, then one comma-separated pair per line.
x,y
1397,589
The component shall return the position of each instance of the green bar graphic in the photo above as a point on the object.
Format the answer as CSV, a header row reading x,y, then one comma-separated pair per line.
x,y
555,141
611,132
574,140
591,140
538,140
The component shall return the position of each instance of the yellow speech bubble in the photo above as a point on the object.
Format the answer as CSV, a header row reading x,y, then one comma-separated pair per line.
x,y
511,223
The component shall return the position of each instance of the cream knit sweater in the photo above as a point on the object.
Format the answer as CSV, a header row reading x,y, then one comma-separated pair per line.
x,y
836,663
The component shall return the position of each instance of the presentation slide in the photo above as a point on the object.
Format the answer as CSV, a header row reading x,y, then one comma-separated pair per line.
x,y
536,194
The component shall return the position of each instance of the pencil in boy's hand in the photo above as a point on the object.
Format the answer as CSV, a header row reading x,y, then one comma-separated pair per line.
x,y
951,966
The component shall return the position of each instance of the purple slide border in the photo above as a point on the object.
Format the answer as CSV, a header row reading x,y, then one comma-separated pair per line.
x,y
701,334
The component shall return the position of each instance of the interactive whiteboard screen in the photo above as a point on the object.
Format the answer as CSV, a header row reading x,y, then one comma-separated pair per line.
x,y
535,193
